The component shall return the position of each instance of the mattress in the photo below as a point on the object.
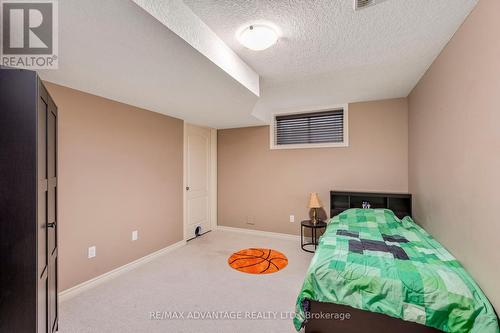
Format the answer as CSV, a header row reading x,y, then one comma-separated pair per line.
x,y
371,260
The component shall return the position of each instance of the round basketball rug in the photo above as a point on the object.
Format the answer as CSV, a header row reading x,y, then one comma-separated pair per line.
x,y
258,261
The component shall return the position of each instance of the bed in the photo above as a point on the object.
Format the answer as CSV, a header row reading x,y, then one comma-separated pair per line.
x,y
388,275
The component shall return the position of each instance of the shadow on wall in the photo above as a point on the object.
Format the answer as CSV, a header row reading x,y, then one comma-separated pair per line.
x,y
321,214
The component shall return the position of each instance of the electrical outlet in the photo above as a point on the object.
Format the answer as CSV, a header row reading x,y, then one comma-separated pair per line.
x,y
250,220
292,218
135,235
91,252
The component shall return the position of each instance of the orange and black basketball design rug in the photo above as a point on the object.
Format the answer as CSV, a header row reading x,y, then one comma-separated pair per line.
x,y
258,261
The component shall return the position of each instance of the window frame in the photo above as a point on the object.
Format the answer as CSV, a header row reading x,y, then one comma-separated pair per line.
x,y
343,144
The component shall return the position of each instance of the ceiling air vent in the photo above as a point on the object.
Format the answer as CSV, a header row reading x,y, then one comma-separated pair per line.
x,y
362,4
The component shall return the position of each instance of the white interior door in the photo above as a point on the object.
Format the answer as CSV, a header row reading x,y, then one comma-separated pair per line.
x,y
198,180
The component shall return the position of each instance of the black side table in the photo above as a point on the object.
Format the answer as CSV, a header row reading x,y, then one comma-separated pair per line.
x,y
314,233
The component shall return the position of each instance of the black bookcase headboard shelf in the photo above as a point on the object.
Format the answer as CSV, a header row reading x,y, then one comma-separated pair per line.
x,y
399,203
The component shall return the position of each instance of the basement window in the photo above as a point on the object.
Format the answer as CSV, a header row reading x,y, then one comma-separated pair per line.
x,y
313,129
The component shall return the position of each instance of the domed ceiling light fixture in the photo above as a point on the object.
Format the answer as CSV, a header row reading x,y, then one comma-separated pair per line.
x,y
258,37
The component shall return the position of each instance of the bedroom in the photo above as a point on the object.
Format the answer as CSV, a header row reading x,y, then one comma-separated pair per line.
x,y
160,154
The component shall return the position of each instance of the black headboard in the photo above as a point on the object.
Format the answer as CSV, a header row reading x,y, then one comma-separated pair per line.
x,y
399,203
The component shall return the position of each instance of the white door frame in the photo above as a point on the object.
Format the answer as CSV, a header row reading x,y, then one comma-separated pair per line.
x,y
212,184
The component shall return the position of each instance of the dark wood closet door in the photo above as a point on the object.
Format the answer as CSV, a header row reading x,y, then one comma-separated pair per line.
x,y
28,204
52,214
42,195
47,213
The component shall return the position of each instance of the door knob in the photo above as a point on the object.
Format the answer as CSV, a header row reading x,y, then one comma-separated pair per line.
x,y
51,225
187,188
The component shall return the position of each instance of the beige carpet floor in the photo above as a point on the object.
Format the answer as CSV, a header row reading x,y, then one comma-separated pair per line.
x,y
190,282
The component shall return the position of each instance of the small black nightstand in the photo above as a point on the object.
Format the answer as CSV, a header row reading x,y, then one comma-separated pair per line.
x,y
314,233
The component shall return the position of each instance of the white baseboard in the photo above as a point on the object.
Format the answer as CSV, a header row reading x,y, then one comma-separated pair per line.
x,y
73,291
259,233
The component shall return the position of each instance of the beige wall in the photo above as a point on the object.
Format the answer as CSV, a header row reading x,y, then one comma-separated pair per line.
x,y
262,186
120,169
454,146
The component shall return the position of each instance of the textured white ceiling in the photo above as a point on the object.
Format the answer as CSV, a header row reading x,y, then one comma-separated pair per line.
x,y
117,50
330,54
179,18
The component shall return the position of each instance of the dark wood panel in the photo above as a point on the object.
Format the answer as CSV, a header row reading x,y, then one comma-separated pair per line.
x,y
52,214
399,203
43,310
28,202
52,294
359,321
42,186
18,201
51,169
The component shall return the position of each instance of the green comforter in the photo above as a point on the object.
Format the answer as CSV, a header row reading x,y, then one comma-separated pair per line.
x,y
370,260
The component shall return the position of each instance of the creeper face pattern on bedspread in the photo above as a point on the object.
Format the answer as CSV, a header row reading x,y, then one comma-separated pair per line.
x,y
359,245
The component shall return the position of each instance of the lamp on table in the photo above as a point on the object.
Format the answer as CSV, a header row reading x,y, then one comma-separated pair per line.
x,y
314,203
